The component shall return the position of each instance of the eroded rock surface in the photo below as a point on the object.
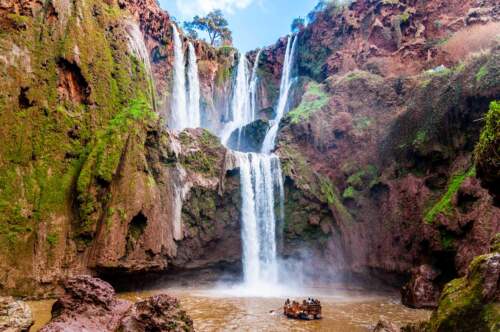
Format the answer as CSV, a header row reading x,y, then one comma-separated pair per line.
x,y
158,313
422,290
90,304
15,316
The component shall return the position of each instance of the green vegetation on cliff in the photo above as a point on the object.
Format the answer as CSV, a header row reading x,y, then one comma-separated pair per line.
x,y
444,205
104,158
488,150
490,136
201,155
468,303
64,108
313,100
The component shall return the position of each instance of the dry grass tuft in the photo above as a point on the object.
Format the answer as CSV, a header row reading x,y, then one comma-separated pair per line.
x,y
474,39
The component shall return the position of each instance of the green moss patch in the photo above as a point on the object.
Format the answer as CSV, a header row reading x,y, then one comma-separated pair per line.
x,y
332,197
104,158
488,148
444,205
202,153
481,73
314,99
462,306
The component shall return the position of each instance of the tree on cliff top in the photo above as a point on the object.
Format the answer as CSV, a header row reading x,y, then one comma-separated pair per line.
x,y
298,24
215,24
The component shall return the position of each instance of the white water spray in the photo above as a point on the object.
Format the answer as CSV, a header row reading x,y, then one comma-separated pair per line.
x,y
285,87
260,180
179,119
194,116
137,46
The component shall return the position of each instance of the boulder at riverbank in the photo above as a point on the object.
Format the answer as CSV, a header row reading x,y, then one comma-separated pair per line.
x,y
15,316
90,304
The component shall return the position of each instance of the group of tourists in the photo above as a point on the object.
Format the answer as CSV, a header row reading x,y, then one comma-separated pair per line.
x,y
309,309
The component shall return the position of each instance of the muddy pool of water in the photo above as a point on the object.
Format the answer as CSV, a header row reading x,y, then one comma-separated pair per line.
x,y
225,309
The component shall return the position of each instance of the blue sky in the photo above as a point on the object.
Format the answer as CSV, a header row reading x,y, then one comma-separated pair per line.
x,y
255,23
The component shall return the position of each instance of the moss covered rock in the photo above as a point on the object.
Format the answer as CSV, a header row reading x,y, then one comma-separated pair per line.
x,y
488,151
471,303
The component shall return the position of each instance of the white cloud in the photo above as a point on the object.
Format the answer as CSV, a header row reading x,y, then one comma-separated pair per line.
x,y
189,8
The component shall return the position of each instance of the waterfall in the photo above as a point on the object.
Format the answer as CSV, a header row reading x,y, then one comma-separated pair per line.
x,y
285,87
254,80
261,178
194,90
185,112
179,119
241,113
138,48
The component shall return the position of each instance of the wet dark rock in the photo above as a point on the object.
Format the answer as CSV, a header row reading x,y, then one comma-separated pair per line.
x,y
421,291
251,137
15,316
88,304
471,303
158,313
384,325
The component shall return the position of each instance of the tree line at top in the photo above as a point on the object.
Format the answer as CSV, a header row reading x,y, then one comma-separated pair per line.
x,y
217,27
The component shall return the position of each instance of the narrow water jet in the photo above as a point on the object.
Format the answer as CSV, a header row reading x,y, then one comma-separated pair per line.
x,y
254,80
194,89
178,117
285,87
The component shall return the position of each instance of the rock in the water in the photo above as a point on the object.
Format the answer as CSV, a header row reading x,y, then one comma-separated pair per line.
x,y
384,325
250,138
157,313
88,304
15,316
421,291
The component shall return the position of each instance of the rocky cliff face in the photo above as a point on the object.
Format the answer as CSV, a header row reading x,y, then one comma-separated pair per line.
x,y
383,175
390,38
90,179
382,137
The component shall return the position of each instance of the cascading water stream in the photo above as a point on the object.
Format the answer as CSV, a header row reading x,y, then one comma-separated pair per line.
x,y
261,180
254,80
179,119
194,89
285,87
241,112
185,111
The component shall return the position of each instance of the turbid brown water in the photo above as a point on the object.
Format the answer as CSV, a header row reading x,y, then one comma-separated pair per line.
x,y
223,310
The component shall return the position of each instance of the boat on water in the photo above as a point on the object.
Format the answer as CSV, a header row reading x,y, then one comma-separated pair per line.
x,y
309,309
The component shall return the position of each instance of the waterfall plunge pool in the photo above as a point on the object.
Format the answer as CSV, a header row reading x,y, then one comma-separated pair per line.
x,y
224,308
